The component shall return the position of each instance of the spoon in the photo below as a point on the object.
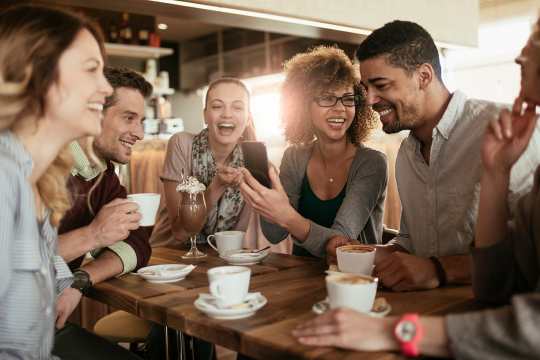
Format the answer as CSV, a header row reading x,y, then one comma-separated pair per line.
x,y
183,174
266,248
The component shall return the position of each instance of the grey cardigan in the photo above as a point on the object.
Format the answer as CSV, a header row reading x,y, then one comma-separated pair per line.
x,y
508,272
361,214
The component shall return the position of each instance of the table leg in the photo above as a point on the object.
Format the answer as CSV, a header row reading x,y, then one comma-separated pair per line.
x,y
174,341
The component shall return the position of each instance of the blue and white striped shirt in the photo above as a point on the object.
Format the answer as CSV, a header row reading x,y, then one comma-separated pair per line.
x,y
32,273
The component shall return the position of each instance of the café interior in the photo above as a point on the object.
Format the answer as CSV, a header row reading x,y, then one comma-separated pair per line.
x,y
192,43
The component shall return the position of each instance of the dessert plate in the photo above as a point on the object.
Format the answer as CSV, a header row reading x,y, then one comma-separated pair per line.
x,y
236,257
165,273
206,304
323,306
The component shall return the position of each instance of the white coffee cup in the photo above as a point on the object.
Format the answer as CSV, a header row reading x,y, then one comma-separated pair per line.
x,y
148,207
227,240
343,292
229,284
353,262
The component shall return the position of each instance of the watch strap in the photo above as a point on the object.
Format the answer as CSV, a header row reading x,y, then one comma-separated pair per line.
x,y
410,348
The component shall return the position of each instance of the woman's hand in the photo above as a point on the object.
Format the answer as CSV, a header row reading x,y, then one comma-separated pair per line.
x,y
507,137
228,177
348,329
268,203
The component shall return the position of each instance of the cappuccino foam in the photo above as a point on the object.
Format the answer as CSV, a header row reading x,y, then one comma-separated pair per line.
x,y
358,249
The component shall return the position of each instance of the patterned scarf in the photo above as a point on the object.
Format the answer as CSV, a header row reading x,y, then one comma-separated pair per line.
x,y
225,212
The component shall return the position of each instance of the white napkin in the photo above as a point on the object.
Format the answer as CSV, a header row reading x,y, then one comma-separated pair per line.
x,y
172,269
208,300
232,254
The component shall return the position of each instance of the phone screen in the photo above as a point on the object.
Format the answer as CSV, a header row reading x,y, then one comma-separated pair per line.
x,y
256,161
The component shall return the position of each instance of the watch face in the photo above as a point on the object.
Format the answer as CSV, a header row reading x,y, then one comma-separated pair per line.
x,y
81,279
406,330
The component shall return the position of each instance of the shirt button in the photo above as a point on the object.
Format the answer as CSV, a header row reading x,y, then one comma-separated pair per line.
x,y
48,311
431,186
44,271
446,133
432,222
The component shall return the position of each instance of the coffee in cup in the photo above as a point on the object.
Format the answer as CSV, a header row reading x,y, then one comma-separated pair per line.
x,y
356,259
229,285
356,292
148,207
227,240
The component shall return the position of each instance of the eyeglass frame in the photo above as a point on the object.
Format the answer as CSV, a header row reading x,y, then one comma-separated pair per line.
x,y
356,97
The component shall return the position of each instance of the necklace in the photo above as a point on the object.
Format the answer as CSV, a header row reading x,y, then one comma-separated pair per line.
x,y
324,163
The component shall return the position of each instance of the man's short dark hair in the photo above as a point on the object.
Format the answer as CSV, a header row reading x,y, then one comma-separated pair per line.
x,y
122,77
408,45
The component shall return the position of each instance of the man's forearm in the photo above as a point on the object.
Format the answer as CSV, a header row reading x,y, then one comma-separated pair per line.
x,y
74,244
457,269
105,266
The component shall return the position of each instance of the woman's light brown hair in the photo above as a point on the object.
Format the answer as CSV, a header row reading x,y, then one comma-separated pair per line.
x,y
313,73
32,39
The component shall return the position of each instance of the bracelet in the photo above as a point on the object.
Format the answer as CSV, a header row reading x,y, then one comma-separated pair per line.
x,y
440,270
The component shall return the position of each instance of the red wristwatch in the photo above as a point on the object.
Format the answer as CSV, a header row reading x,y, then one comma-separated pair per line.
x,y
408,331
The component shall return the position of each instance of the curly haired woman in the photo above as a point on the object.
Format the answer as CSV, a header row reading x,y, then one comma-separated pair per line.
x,y
330,183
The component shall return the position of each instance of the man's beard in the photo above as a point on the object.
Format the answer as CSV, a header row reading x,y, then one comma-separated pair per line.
x,y
408,121
107,154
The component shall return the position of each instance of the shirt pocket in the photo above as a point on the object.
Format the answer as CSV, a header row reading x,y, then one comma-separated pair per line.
x,y
465,208
26,254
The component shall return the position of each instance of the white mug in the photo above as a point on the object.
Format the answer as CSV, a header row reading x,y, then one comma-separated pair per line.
x,y
356,262
229,284
343,292
148,207
227,240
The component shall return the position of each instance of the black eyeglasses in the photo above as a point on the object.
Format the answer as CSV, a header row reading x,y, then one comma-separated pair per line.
x,y
331,100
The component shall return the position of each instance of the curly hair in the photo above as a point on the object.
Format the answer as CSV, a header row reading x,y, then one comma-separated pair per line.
x,y
32,39
313,73
408,45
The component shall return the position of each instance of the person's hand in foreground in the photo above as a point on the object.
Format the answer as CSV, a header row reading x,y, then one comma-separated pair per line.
x,y
348,329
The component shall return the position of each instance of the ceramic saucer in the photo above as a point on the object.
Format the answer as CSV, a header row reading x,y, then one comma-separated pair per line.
x,y
323,306
238,258
171,272
206,304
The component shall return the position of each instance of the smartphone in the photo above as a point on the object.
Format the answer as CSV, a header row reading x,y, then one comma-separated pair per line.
x,y
256,161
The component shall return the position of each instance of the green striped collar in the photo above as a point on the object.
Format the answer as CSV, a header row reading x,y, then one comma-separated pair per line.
x,y
81,165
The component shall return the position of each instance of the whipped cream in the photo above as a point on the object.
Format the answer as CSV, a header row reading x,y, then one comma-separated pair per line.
x,y
191,185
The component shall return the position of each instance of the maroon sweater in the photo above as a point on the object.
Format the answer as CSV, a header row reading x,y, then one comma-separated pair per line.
x,y
79,216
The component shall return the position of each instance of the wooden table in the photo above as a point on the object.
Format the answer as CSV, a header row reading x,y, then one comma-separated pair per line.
x,y
291,284
126,291
291,295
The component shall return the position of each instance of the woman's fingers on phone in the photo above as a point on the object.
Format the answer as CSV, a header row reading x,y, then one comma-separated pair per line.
x,y
274,178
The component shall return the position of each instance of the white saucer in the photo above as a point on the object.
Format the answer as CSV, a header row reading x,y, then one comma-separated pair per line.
x,y
323,306
330,272
248,259
176,276
205,304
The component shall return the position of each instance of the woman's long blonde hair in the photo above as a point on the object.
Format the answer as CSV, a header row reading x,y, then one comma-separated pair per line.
x,y
32,39
249,132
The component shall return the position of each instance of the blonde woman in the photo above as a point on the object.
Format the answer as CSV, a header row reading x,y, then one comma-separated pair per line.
x,y
51,91
213,156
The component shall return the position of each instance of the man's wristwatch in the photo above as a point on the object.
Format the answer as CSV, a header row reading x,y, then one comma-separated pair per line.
x,y
408,332
82,281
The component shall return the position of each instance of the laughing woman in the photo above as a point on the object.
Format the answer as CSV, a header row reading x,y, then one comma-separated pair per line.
x,y
52,88
213,157
330,183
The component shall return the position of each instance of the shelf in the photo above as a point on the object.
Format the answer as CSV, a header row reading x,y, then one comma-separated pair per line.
x,y
137,51
162,91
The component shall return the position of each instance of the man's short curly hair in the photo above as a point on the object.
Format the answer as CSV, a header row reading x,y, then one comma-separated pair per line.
x,y
122,77
310,74
407,44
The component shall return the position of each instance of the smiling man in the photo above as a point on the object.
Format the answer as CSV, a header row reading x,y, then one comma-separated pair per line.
x,y
102,221
438,166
